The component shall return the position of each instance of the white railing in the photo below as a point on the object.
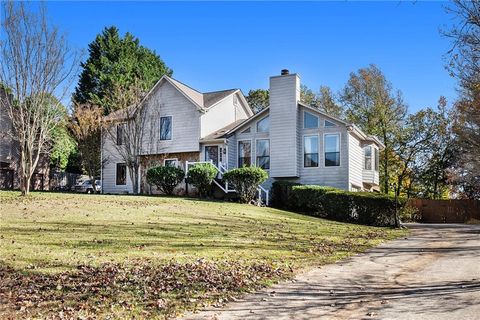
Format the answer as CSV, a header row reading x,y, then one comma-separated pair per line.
x,y
221,170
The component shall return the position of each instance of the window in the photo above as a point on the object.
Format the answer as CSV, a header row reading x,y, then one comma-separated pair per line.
x,y
263,125
309,121
332,150
166,128
246,130
367,151
377,159
121,174
120,133
263,154
310,151
329,124
170,162
244,154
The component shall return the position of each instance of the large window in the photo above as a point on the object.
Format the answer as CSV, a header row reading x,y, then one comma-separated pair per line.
x,y
120,133
332,150
377,159
263,125
309,120
263,154
310,151
368,157
121,174
244,154
165,128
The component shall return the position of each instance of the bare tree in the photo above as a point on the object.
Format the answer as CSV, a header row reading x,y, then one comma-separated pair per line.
x,y
37,64
86,125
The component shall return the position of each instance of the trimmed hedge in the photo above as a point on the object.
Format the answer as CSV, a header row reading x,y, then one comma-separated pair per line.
x,y
246,181
281,191
165,178
201,176
355,207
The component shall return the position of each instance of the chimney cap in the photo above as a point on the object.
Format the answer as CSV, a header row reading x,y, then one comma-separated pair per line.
x,y
284,72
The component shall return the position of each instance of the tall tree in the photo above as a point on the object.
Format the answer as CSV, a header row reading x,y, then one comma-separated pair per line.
x,y
464,64
116,61
258,99
37,64
373,104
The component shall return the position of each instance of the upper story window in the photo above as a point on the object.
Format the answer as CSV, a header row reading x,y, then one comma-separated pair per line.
x,y
166,128
310,151
310,121
244,154
332,150
377,159
120,133
246,130
367,152
263,153
263,125
121,174
329,124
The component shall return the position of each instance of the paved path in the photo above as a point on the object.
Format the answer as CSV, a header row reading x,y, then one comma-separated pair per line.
x,y
432,274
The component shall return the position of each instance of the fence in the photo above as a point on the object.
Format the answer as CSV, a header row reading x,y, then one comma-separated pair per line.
x,y
447,211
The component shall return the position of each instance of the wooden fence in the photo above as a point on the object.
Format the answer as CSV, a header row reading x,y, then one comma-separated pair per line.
x,y
447,211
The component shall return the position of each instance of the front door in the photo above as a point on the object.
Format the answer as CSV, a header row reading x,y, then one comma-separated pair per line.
x,y
211,153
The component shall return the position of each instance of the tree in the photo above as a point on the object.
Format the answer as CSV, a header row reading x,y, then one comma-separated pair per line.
x,y
37,64
258,99
464,64
86,127
63,145
116,62
373,105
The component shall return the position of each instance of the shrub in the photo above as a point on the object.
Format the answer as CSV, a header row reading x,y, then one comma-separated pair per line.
x,y
281,191
165,178
356,207
201,176
409,213
245,181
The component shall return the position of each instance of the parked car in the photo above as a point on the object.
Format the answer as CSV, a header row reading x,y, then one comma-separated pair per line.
x,y
87,187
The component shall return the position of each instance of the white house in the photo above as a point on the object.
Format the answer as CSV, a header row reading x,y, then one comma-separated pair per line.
x,y
289,139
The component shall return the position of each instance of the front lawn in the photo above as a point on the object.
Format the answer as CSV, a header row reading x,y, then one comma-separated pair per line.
x,y
72,255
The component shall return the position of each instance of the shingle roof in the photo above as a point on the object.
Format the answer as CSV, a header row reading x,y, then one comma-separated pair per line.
x,y
220,133
210,98
193,94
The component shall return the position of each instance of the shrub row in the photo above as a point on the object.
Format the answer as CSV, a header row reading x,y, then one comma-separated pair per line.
x,y
245,181
355,207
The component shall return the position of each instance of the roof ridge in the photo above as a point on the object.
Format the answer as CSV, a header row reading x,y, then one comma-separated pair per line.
x,y
233,89
186,85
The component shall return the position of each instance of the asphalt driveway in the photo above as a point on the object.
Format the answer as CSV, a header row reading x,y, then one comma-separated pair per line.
x,y
432,274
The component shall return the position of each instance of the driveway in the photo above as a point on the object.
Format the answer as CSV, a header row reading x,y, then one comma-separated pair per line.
x,y
432,274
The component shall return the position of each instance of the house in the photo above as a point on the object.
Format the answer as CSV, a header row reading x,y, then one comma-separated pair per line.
x,y
289,139
10,154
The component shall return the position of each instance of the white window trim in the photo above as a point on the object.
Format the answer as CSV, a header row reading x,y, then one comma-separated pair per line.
x,y
339,149
256,125
251,150
167,159
318,120
375,160
243,131
268,152
372,156
160,128
325,126
303,150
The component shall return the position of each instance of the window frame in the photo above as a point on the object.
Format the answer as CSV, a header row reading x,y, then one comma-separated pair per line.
x,y
257,156
260,120
120,137
365,158
318,150
339,144
171,128
170,159
117,180
311,114
333,124
238,152
377,159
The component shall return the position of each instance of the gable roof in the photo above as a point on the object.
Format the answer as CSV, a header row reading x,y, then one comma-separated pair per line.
x,y
210,98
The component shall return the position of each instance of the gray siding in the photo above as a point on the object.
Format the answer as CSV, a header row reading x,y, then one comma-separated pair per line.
x,y
355,161
110,158
284,96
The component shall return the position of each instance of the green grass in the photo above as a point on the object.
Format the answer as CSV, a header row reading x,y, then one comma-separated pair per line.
x,y
53,233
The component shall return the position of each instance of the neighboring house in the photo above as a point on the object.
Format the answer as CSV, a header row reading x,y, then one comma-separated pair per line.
x,y
10,156
289,139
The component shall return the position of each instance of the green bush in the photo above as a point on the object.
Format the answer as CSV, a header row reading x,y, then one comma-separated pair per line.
x,y
409,213
245,181
165,178
201,176
356,207
281,191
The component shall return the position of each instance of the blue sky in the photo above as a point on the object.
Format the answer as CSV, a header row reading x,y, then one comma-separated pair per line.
x,y
220,45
